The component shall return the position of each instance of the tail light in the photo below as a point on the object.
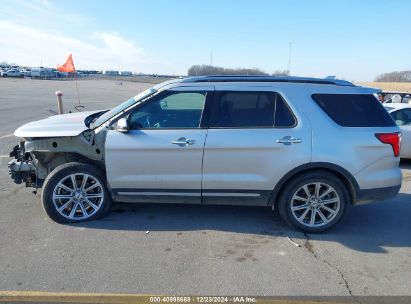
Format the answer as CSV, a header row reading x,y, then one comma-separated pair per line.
x,y
393,139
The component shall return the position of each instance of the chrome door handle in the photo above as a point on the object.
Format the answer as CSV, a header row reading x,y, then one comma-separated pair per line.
x,y
183,142
289,140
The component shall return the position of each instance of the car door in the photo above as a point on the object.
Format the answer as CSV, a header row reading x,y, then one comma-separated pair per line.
x,y
405,141
255,137
160,158
402,118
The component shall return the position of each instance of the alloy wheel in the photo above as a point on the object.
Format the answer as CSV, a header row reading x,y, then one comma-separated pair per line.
x,y
315,204
78,196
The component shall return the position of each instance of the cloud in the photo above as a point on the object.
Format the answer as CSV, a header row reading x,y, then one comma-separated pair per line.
x,y
103,50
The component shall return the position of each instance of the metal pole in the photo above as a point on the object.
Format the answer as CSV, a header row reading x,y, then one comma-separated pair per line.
x,y
59,95
289,58
75,79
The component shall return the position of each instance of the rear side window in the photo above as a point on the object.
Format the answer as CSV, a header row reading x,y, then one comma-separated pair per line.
x,y
250,109
354,110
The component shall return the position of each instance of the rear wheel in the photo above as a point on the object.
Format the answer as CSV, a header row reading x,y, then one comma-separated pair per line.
x,y
75,192
314,202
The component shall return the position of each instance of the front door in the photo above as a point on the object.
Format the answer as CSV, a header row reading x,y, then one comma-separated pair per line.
x,y
160,158
254,138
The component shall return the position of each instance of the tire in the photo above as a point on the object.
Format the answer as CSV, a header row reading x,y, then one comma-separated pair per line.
x,y
305,197
90,198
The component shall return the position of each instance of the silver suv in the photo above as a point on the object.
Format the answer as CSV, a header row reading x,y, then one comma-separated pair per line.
x,y
307,147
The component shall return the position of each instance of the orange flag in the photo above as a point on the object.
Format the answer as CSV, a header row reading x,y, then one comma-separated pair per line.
x,y
68,66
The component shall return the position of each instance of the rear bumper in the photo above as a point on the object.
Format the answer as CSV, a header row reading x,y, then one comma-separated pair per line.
x,y
377,194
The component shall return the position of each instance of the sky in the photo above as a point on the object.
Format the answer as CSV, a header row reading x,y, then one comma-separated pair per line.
x,y
353,40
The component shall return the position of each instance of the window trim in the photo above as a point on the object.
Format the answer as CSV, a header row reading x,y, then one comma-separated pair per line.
x,y
214,103
164,94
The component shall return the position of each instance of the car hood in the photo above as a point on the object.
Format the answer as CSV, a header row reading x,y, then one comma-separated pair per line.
x,y
71,124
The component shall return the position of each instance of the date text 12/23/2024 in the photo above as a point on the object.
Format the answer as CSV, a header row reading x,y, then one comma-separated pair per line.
x,y
201,299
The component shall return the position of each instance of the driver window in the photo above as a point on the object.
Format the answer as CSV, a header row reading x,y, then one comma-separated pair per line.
x,y
178,110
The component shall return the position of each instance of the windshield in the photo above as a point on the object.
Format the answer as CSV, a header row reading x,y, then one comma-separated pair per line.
x,y
121,107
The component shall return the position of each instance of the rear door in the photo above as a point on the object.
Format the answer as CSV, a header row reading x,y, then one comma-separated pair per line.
x,y
255,137
160,158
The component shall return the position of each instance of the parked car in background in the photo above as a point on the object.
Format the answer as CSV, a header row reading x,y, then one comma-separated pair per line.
x,y
12,73
26,73
306,147
401,113
394,97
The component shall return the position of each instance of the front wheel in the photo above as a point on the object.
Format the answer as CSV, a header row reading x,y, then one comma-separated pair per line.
x,y
314,201
75,192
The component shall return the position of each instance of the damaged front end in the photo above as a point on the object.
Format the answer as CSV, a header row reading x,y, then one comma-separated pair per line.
x,y
21,168
35,158
48,143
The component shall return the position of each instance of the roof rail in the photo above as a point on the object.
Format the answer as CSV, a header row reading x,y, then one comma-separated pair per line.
x,y
293,79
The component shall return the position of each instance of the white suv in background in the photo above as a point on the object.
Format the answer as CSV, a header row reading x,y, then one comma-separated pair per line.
x,y
12,73
307,147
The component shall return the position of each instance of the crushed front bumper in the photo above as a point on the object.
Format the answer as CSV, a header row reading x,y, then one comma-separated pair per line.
x,y
22,172
21,168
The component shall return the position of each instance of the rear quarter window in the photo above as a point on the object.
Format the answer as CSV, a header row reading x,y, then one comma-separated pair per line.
x,y
354,110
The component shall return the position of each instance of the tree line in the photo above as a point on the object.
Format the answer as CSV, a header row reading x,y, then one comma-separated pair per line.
x,y
401,76
204,70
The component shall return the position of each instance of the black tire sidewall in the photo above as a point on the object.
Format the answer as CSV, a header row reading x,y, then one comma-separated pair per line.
x,y
59,173
324,177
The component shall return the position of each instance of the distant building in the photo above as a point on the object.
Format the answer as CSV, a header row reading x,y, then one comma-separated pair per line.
x,y
44,73
111,73
92,72
126,73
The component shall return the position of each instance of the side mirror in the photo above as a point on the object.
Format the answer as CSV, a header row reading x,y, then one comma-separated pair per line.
x,y
122,125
